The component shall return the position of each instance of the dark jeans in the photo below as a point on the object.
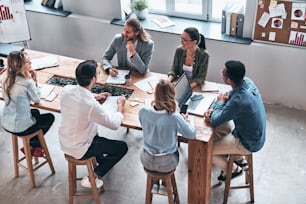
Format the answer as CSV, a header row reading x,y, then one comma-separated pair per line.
x,y
107,152
43,121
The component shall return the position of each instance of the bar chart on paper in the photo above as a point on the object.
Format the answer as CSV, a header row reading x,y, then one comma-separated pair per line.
x,y
297,38
13,23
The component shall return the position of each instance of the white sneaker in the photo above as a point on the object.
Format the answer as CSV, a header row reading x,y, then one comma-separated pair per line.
x,y
162,190
155,188
85,182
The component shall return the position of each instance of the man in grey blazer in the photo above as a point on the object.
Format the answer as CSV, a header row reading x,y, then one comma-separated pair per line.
x,y
134,48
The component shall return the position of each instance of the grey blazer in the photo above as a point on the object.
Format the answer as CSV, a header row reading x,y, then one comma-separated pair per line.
x,y
140,61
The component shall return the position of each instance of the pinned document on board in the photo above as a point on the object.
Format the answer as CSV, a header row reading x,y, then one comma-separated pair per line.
x,y
264,19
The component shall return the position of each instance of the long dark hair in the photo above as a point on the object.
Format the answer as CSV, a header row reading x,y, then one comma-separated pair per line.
x,y
195,35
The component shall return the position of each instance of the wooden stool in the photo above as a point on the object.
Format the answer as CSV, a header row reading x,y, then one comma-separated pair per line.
x,y
28,156
91,163
169,178
249,182
181,139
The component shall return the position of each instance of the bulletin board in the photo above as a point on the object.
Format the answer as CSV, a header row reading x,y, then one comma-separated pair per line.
x,y
282,22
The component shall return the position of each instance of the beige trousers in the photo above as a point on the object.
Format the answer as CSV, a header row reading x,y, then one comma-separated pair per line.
x,y
225,143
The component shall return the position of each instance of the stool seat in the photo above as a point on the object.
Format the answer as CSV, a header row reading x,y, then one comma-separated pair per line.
x,y
90,163
249,182
28,156
169,178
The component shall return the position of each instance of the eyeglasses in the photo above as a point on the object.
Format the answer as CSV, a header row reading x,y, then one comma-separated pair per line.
x,y
223,73
185,40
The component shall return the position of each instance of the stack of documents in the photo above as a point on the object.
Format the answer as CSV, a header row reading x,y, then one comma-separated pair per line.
x,y
44,62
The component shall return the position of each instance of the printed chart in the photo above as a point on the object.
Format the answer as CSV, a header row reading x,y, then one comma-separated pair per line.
x,y
297,38
13,23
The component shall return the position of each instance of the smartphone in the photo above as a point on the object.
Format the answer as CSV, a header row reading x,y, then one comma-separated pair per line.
x,y
184,109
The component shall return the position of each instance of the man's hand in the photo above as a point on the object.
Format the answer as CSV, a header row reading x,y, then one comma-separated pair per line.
x,y
113,72
207,114
120,102
130,47
33,75
102,97
223,97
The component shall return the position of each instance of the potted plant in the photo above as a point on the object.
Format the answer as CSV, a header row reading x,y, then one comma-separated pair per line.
x,y
140,7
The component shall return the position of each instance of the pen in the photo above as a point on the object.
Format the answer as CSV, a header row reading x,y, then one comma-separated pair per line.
x,y
150,85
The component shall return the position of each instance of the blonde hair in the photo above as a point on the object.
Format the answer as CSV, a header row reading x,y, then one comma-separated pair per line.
x,y
16,61
164,97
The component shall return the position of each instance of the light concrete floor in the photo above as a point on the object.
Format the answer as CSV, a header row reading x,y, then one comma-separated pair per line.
x,y
279,169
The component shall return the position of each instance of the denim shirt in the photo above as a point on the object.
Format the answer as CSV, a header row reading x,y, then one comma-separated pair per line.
x,y
16,116
246,109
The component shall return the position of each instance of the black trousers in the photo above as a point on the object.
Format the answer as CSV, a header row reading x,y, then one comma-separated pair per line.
x,y
43,121
107,152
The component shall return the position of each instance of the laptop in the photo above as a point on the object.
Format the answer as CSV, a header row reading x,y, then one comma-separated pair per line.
x,y
5,49
197,102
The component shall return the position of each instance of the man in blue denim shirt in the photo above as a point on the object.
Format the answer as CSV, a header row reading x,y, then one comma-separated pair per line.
x,y
243,105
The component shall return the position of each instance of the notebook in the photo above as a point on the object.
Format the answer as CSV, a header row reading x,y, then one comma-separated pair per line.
x,y
5,49
198,103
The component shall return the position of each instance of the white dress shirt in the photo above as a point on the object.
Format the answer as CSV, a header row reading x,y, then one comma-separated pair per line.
x,y
81,114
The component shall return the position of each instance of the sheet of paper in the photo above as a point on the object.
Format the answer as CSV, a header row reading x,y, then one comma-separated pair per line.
x,y
209,86
45,90
119,79
147,84
277,10
272,36
110,104
264,19
298,11
44,62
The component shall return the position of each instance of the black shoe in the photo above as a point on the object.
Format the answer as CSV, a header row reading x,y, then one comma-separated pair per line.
x,y
242,163
235,174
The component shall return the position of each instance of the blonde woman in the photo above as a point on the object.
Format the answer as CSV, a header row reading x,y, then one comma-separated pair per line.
x,y
161,125
19,90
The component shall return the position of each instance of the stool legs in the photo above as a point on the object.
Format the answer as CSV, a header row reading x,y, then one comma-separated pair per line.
x,y
46,151
148,191
248,178
169,179
28,155
90,164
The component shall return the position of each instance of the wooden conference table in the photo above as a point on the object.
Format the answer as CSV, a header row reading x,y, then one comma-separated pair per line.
x,y
199,150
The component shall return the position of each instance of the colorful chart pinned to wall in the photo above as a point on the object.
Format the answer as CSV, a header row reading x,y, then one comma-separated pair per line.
x,y
281,22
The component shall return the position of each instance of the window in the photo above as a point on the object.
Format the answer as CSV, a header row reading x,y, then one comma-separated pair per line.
x,y
208,10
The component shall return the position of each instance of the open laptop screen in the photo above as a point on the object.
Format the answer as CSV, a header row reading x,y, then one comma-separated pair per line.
x,y
182,90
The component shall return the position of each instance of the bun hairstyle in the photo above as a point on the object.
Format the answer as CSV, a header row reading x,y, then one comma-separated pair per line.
x,y
195,35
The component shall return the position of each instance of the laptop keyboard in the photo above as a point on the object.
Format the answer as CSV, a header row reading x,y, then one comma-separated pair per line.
x,y
193,104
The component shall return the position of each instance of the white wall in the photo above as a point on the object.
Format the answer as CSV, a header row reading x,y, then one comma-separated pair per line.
x,y
279,71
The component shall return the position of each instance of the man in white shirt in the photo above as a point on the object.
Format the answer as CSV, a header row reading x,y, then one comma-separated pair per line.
x,y
81,114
